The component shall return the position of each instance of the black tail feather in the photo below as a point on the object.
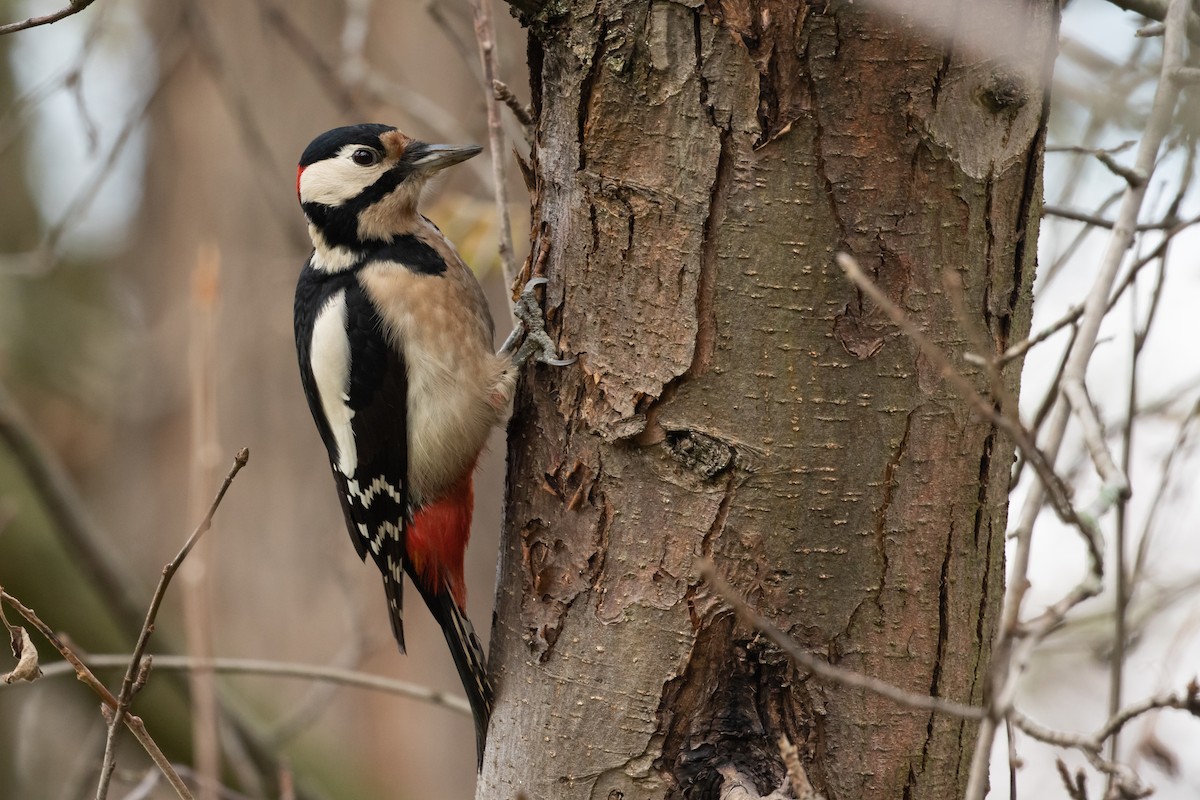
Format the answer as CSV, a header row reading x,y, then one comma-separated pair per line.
x,y
469,659
394,590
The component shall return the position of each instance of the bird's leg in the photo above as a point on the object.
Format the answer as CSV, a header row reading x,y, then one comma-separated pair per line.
x,y
529,337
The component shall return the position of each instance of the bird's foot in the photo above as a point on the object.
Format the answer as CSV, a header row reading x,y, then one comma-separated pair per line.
x,y
529,337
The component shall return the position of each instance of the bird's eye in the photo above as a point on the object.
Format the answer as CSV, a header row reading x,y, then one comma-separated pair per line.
x,y
364,157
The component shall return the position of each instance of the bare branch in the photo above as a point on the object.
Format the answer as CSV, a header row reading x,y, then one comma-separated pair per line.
x,y
121,709
1188,700
1116,484
279,669
1185,431
1025,345
1157,10
1101,222
132,722
1007,661
523,113
1121,778
73,7
1105,157
797,776
822,668
485,35
1076,785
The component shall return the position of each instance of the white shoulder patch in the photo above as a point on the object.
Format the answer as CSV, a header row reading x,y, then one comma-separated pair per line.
x,y
330,363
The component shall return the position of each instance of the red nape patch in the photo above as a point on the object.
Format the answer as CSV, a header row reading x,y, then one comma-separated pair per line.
x,y
299,172
437,539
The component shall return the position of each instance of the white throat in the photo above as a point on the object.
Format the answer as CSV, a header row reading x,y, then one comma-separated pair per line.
x,y
330,258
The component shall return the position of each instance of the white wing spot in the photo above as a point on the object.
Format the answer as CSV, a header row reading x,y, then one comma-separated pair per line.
x,y
378,487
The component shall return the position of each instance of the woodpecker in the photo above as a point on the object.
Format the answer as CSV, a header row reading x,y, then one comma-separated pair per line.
x,y
394,340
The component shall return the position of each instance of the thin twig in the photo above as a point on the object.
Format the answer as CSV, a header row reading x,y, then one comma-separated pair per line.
x,y
796,775
1165,224
1076,785
1116,484
1158,10
822,668
1188,700
278,669
466,49
1075,312
1124,585
1007,661
132,722
1054,268
1025,345
1014,760
127,685
522,112
310,707
1121,777
1186,427
485,35
1130,786
1105,157
73,7
83,199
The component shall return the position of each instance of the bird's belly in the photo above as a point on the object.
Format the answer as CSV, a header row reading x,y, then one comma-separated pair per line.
x,y
451,412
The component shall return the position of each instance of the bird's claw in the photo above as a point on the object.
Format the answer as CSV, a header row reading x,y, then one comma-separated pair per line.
x,y
531,331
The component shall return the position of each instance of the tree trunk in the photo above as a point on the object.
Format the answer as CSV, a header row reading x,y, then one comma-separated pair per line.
x,y
698,165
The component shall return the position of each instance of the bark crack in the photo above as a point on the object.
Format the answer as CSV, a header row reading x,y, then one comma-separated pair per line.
x,y
889,485
722,516
989,249
941,74
943,637
706,315
818,150
947,57
587,86
1028,215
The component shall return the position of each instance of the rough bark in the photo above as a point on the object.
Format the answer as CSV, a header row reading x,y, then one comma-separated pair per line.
x,y
698,165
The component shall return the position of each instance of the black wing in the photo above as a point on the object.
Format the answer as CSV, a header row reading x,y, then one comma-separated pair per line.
x,y
377,494
375,497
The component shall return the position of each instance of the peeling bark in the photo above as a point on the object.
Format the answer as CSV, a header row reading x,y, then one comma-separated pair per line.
x,y
698,164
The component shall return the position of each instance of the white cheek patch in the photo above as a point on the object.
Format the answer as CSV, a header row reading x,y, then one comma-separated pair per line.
x,y
335,180
329,359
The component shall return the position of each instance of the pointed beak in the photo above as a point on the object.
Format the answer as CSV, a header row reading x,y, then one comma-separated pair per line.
x,y
430,158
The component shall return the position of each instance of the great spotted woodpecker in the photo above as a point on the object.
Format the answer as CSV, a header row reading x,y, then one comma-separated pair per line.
x,y
394,340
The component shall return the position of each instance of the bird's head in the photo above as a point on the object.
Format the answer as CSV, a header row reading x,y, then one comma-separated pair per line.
x,y
360,184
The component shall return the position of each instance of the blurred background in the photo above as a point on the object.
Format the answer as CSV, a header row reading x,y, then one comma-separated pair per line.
x,y
150,240
149,245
